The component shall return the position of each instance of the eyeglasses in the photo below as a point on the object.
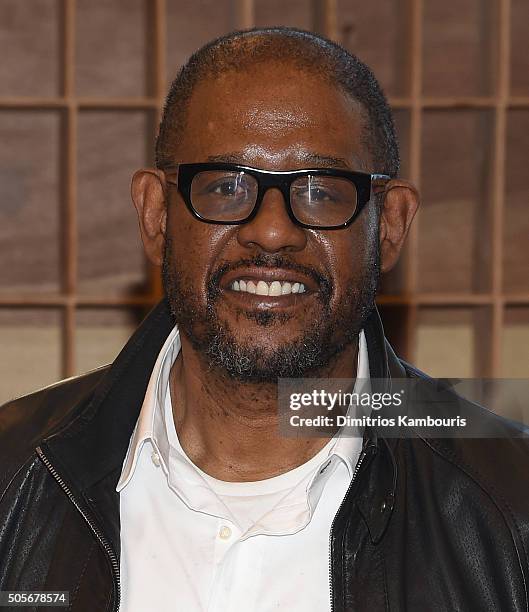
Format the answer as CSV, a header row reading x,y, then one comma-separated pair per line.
x,y
229,194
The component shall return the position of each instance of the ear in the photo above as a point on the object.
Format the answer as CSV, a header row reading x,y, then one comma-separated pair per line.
x,y
401,201
148,195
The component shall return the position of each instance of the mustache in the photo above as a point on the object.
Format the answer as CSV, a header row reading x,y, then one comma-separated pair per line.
x,y
262,260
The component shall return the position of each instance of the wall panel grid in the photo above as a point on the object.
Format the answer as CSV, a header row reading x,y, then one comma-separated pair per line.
x,y
82,85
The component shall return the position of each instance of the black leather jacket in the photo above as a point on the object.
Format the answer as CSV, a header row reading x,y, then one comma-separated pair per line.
x,y
427,524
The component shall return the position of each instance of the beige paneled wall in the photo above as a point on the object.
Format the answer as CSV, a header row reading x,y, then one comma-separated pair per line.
x,y
81,87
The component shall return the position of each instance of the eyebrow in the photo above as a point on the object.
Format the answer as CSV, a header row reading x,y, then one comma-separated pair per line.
x,y
315,159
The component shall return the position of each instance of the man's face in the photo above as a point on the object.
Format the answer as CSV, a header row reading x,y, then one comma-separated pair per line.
x,y
273,118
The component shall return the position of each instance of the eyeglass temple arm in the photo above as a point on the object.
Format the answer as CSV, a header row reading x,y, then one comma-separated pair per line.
x,y
380,177
173,170
379,180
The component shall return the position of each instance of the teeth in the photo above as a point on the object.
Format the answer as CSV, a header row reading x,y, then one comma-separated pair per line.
x,y
275,288
262,288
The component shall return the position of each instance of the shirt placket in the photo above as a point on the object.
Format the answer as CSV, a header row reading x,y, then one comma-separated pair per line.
x,y
237,571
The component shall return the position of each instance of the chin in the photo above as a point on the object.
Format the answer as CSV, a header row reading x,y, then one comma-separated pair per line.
x,y
255,358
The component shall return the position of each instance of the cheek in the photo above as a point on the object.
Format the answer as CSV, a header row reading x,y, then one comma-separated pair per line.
x,y
349,255
194,246
364,239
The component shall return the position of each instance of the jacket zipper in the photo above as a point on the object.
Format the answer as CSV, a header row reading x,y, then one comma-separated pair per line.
x,y
100,537
363,455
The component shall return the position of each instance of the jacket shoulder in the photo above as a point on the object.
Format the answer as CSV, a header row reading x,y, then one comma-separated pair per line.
x,y
27,420
491,430
496,463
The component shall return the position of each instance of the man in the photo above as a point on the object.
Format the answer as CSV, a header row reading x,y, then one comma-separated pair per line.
x,y
163,482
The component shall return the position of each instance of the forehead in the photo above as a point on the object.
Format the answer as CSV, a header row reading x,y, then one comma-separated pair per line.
x,y
273,111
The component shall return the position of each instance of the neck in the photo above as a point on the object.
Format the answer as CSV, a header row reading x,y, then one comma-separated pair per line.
x,y
229,429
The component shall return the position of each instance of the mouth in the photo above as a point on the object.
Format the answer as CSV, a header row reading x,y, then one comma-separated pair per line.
x,y
275,288
268,287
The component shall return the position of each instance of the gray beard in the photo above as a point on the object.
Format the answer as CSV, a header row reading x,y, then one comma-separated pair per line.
x,y
307,356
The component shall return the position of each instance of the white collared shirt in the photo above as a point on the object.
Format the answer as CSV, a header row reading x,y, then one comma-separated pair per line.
x,y
191,543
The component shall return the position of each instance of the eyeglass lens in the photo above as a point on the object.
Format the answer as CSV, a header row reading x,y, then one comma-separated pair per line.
x,y
220,195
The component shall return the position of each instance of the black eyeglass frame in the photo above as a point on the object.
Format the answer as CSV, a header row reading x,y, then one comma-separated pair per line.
x,y
267,179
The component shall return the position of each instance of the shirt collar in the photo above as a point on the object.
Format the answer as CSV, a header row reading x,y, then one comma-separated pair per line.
x,y
347,446
152,424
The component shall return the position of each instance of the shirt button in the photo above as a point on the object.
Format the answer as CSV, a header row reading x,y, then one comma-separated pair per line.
x,y
155,458
225,532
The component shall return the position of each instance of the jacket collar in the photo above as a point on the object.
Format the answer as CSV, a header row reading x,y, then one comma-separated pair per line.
x,y
377,498
95,443
90,451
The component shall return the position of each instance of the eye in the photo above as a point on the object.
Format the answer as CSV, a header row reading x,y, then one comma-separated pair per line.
x,y
228,187
225,188
314,193
319,194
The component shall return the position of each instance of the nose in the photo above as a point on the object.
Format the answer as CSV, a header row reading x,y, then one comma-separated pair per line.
x,y
272,230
